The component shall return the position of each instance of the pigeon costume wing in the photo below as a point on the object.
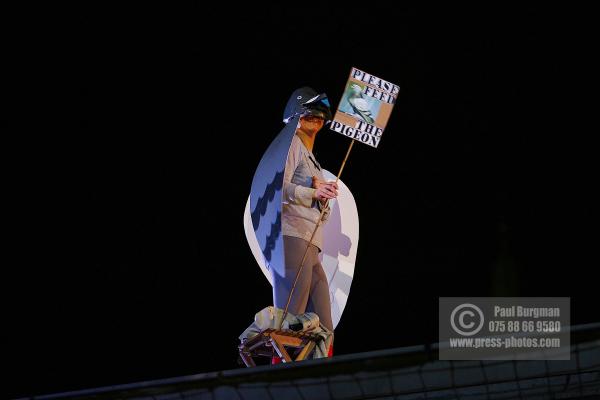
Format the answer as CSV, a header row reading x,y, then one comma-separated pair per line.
x,y
262,216
265,199
267,183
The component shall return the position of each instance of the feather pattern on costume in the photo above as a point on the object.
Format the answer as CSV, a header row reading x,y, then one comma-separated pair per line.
x,y
263,201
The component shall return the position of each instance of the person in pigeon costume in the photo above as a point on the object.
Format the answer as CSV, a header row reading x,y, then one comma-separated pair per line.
x,y
287,196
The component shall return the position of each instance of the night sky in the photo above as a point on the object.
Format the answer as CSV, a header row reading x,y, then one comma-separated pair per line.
x,y
134,264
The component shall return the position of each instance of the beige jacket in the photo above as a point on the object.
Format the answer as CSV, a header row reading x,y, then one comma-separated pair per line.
x,y
300,211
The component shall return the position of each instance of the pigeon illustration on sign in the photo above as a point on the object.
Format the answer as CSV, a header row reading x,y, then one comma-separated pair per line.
x,y
360,106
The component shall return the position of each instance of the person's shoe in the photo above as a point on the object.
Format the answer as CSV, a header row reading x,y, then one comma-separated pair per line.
x,y
330,353
275,360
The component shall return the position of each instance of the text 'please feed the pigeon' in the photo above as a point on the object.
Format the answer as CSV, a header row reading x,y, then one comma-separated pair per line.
x,y
365,107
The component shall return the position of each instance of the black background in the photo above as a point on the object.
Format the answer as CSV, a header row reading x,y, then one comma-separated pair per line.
x,y
133,264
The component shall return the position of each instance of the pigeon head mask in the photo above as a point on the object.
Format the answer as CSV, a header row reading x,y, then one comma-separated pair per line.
x,y
306,101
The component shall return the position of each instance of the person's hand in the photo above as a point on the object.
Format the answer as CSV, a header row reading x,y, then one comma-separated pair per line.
x,y
325,190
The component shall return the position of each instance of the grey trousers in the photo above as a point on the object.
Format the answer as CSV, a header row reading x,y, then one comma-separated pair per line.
x,y
312,290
